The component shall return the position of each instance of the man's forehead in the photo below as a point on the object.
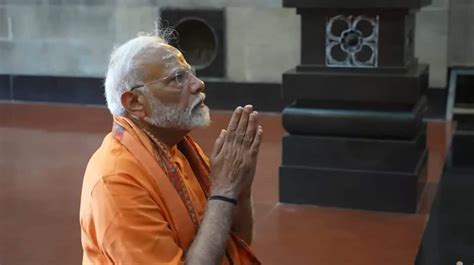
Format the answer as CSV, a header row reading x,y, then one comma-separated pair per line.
x,y
166,56
161,60
168,53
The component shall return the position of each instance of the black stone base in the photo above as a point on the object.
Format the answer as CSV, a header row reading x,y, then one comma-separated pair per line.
x,y
354,153
361,189
365,121
393,69
372,174
382,88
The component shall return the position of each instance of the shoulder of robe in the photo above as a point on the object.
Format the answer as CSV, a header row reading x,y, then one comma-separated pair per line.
x,y
112,158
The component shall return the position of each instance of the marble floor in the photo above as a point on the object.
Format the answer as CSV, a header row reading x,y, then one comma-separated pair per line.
x,y
44,150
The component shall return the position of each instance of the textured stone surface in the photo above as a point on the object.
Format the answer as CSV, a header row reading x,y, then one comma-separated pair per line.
x,y
5,25
68,40
262,43
74,38
263,38
461,35
177,3
431,43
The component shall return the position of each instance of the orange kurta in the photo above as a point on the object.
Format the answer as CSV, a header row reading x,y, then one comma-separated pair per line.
x,y
131,210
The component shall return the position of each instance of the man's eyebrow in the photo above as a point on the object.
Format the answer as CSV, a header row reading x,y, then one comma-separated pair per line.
x,y
168,57
175,70
185,67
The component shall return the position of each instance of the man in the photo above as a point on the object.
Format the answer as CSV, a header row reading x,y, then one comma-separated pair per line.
x,y
150,195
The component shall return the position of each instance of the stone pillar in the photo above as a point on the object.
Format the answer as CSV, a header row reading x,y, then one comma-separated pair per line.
x,y
356,137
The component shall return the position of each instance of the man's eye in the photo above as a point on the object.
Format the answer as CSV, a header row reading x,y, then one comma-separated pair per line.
x,y
180,77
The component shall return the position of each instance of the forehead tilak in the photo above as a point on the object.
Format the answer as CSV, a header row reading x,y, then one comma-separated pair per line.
x,y
174,60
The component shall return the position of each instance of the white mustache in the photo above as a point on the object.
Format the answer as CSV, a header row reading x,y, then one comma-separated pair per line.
x,y
198,100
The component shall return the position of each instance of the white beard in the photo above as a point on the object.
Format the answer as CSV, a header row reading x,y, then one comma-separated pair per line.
x,y
171,117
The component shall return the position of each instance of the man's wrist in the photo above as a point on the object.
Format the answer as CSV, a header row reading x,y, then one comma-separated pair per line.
x,y
246,195
223,198
224,193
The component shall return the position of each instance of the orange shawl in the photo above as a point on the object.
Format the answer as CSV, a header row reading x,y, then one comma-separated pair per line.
x,y
157,163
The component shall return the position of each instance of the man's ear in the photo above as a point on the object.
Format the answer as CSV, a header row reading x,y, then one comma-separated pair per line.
x,y
134,104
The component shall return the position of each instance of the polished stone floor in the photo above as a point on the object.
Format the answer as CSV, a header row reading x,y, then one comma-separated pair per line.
x,y
449,234
45,148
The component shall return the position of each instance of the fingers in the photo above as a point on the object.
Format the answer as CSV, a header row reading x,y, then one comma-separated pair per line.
x,y
243,129
251,129
243,124
234,120
256,142
219,143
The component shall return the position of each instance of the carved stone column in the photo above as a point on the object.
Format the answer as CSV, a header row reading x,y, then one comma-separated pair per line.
x,y
356,137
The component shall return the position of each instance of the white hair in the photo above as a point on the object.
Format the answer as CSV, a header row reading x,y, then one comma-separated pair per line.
x,y
124,72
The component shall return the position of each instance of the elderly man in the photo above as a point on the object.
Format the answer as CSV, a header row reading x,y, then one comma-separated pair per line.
x,y
150,195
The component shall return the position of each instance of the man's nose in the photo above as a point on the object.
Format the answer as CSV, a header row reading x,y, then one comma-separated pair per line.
x,y
197,85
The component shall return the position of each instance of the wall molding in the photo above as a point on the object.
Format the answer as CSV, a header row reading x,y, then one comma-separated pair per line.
x,y
221,94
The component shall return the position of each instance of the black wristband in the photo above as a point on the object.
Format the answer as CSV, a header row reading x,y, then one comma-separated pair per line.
x,y
222,198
